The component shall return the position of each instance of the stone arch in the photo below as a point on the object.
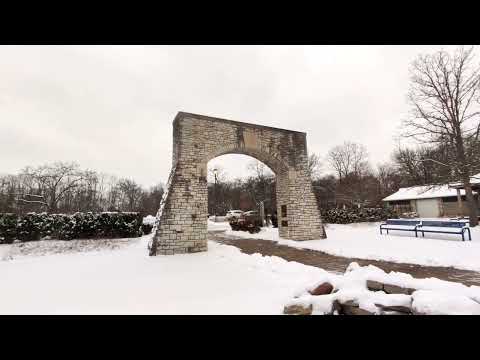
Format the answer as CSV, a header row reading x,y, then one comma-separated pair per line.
x,y
182,218
272,162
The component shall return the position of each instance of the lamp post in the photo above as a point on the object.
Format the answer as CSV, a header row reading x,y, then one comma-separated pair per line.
x,y
215,171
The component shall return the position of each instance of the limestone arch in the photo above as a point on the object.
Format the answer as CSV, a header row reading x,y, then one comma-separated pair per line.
x,y
181,225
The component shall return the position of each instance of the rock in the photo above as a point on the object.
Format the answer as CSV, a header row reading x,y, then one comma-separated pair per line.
x,y
395,313
374,285
350,307
394,289
322,289
403,309
336,306
297,309
349,303
354,310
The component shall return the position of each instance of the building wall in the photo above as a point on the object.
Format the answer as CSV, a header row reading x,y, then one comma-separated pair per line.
x,y
428,207
445,208
450,208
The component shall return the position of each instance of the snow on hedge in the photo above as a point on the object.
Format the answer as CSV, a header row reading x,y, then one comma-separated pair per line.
x,y
149,220
364,241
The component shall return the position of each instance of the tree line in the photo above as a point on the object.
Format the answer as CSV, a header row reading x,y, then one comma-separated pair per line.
x,y
444,121
63,187
344,177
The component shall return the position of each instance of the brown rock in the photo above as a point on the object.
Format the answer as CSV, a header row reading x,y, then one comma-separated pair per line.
x,y
394,289
336,306
395,313
354,310
298,310
404,309
374,285
322,289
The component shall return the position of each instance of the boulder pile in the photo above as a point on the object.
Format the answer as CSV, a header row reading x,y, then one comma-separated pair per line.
x,y
370,291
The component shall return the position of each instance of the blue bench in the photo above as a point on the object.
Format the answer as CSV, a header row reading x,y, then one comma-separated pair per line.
x,y
428,226
410,225
462,227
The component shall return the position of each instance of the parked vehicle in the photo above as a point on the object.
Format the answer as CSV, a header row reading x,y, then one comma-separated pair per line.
x,y
233,214
249,221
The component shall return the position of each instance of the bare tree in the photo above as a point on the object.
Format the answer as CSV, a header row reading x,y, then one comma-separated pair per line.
x,y
314,166
130,194
348,158
53,181
445,109
389,179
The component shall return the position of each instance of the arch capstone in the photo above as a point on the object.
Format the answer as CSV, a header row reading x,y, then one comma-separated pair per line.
x,y
181,224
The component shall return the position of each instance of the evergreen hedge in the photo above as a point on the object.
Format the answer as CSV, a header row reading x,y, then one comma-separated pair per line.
x,y
36,226
354,215
8,228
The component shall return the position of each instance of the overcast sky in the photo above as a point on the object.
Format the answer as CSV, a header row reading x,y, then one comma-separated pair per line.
x,y
110,108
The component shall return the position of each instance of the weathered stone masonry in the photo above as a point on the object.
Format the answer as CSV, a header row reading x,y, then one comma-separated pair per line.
x,y
182,217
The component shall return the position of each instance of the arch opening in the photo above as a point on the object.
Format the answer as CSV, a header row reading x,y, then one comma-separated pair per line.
x,y
240,182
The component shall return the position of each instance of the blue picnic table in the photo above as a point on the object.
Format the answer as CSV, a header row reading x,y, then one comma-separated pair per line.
x,y
454,227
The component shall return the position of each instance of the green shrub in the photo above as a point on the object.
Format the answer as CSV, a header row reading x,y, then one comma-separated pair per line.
x,y
8,228
147,229
348,216
33,226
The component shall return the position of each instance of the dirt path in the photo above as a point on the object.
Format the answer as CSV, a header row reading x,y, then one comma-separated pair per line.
x,y
338,264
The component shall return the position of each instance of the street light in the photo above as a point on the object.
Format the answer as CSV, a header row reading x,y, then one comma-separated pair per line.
x,y
215,172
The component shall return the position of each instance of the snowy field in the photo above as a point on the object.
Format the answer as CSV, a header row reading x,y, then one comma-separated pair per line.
x,y
126,280
364,241
118,276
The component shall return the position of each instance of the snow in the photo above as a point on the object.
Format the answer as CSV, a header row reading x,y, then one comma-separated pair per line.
x,y
475,179
149,220
218,226
435,303
123,279
128,281
423,192
363,241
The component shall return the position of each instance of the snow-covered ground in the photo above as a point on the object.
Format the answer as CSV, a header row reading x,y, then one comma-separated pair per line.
x,y
49,277
127,281
364,241
218,226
